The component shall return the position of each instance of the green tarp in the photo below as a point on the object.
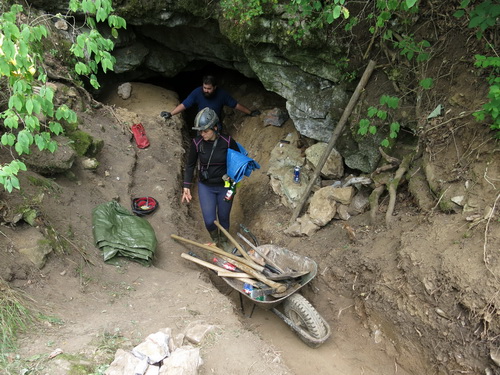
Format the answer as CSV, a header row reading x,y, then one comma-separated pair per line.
x,y
118,232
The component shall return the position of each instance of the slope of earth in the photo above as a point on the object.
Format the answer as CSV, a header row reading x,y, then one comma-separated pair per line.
x,y
89,305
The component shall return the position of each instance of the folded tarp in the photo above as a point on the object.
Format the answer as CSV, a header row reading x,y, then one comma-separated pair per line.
x,y
239,165
118,232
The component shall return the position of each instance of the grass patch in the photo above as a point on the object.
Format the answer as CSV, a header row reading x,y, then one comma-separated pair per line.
x,y
16,315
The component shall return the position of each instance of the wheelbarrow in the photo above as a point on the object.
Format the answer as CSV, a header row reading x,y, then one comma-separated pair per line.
x,y
298,312
298,270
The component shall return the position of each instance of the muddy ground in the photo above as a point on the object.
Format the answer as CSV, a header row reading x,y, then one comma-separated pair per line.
x,y
419,297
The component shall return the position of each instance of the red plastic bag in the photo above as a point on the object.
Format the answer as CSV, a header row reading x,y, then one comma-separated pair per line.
x,y
140,136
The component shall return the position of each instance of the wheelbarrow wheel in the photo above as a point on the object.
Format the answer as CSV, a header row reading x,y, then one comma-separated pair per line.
x,y
304,316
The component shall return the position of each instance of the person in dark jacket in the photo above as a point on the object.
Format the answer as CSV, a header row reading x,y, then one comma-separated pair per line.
x,y
208,154
209,95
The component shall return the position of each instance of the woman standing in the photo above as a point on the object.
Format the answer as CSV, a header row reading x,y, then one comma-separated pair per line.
x,y
209,151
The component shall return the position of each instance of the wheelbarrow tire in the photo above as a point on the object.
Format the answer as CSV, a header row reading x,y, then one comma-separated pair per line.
x,y
300,311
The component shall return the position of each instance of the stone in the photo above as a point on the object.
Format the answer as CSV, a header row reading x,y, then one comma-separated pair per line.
x,y
90,164
342,195
307,227
154,349
197,330
124,363
184,361
343,212
333,167
359,204
275,117
294,229
322,208
125,90
34,247
47,163
61,25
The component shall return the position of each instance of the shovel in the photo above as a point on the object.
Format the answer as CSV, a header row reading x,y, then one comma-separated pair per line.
x,y
270,274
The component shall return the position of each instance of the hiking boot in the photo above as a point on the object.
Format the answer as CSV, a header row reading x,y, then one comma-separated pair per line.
x,y
214,235
224,243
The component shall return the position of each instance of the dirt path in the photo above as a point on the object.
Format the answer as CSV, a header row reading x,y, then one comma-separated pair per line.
x,y
350,350
90,304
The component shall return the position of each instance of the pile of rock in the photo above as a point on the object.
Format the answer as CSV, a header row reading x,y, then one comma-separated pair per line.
x,y
335,196
162,354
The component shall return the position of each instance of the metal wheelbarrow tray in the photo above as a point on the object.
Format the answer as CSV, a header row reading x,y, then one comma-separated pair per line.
x,y
299,314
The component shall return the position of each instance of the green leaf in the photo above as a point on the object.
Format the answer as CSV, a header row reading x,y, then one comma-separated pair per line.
x,y
8,139
426,83
14,182
55,127
382,114
29,106
410,3
372,111
336,11
385,143
372,129
459,13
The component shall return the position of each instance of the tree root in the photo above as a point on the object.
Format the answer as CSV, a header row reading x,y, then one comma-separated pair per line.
x,y
393,185
374,198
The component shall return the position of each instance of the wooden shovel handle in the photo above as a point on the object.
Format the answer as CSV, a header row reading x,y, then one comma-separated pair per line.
x,y
241,263
234,242
216,250
202,263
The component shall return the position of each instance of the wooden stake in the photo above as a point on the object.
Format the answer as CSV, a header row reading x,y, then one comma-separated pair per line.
x,y
336,133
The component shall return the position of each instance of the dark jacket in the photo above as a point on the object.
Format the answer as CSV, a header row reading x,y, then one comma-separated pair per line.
x,y
200,152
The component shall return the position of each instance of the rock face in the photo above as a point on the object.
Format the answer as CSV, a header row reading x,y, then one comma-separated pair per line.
x,y
165,38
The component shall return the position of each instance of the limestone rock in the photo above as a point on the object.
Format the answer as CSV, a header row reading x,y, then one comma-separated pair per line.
x,y
275,117
343,212
154,349
323,206
34,246
184,361
342,195
125,90
47,163
197,330
333,167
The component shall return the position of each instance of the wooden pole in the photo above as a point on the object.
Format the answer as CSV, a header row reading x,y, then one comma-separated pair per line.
x,y
336,133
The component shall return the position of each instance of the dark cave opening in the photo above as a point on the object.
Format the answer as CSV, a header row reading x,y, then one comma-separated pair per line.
x,y
190,78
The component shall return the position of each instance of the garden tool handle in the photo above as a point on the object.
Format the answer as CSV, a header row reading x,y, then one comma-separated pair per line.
x,y
216,250
266,258
234,242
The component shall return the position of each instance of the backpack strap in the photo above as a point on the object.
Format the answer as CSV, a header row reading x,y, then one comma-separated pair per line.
x,y
228,140
197,143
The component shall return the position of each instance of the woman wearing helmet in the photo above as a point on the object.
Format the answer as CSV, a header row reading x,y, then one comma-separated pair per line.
x,y
209,151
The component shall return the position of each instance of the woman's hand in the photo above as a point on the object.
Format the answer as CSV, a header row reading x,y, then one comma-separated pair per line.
x,y
186,195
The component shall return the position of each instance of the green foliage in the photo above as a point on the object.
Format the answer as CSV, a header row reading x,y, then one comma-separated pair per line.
x,y
30,98
481,16
367,125
303,16
491,108
426,83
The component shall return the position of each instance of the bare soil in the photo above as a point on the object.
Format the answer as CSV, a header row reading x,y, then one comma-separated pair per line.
x,y
408,299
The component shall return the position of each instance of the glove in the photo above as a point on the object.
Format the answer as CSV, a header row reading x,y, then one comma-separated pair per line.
x,y
255,113
166,115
